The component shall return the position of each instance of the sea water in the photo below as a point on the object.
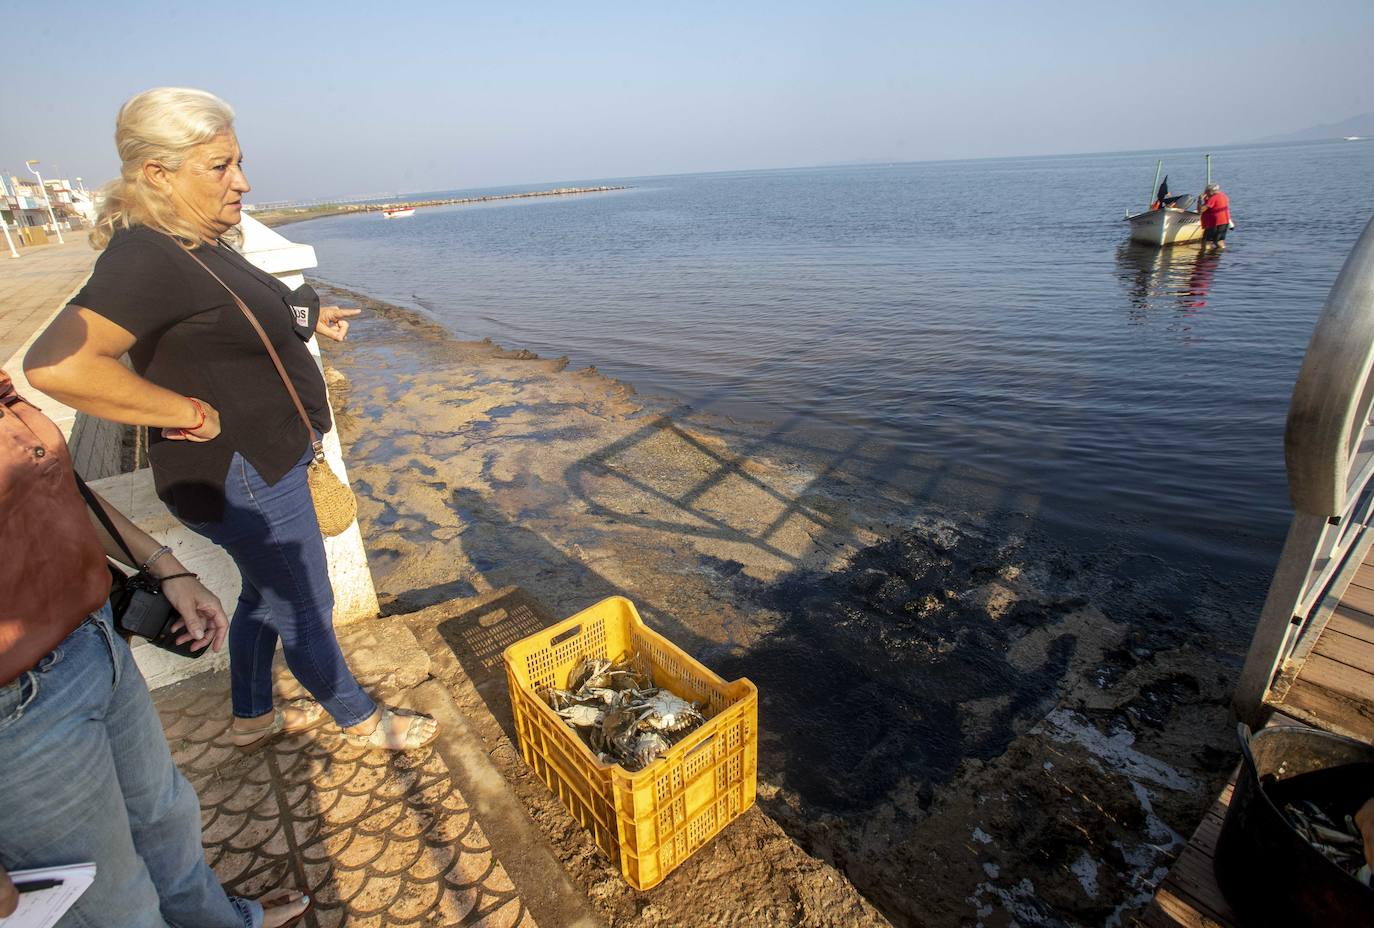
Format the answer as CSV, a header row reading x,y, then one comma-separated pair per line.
x,y
972,317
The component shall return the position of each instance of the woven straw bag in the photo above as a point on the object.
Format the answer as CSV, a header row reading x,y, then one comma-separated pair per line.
x,y
335,505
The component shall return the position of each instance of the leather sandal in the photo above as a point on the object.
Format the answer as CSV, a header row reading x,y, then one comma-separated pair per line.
x,y
252,739
380,739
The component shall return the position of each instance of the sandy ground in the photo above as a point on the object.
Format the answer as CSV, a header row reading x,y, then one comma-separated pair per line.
x,y
975,723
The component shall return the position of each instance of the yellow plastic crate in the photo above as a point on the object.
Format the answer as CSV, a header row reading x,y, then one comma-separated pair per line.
x,y
651,821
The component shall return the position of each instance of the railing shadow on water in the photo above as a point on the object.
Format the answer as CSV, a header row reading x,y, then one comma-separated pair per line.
x,y
866,692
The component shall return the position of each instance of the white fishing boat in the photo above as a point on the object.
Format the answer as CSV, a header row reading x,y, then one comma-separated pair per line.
x,y
398,213
1167,225
1168,220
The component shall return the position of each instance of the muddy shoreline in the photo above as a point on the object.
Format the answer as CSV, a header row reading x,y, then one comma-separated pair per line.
x,y
977,722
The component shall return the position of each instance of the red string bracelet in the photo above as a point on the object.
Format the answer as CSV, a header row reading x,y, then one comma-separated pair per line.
x,y
199,409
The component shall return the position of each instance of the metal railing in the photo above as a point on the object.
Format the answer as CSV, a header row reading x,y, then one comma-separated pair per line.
x,y
1329,450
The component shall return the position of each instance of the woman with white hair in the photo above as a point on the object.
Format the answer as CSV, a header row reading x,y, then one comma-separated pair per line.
x,y
227,444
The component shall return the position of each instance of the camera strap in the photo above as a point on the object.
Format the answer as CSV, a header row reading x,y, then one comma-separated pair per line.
x,y
137,602
104,518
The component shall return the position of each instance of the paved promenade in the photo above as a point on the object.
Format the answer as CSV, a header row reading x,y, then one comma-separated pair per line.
x,y
34,286
428,838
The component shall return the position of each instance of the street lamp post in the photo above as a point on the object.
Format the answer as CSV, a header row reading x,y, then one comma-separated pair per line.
x,y
58,229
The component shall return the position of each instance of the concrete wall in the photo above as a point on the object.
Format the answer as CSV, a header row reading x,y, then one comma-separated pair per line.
x,y
97,446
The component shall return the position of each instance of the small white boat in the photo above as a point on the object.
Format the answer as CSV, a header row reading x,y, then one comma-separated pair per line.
x,y
398,213
1167,225
1168,220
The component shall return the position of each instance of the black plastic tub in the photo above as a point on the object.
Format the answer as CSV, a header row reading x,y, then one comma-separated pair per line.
x,y
1268,872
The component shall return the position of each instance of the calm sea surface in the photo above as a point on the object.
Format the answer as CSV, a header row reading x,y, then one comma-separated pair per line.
x,y
986,314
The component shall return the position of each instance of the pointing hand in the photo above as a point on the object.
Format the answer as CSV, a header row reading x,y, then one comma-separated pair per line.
x,y
333,323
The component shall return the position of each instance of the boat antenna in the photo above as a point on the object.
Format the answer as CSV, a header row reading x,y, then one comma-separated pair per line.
x,y
1209,169
1155,189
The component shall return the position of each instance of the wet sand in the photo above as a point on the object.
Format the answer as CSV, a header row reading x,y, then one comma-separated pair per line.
x,y
975,723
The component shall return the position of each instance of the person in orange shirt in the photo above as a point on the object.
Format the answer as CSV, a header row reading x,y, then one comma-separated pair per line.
x,y
1216,217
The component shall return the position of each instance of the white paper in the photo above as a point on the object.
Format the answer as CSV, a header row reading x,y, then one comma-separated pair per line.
x,y
43,907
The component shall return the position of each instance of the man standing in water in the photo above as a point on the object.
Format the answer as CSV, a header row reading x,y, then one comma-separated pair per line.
x,y
1216,217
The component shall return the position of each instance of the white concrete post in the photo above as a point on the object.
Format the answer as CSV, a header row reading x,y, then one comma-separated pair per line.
x,y
8,241
354,595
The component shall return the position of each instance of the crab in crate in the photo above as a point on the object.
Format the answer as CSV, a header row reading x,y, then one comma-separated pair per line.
x,y
581,716
667,712
647,748
612,740
619,713
598,673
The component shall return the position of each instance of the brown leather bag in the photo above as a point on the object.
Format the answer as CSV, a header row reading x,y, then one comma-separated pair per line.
x,y
335,505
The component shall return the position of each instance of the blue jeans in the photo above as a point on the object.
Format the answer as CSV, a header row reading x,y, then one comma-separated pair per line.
x,y
274,538
85,774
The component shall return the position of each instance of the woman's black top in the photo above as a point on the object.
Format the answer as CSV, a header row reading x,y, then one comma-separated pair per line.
x,y
192,338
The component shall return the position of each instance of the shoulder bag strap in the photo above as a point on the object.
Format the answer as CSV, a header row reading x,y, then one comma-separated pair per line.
x,y
104,518
317,446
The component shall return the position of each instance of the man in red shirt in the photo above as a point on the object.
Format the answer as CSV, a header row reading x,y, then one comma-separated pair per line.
x,y
1216,217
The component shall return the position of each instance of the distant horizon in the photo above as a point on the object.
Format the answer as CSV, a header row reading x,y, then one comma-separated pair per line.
x,y
860,162
876,162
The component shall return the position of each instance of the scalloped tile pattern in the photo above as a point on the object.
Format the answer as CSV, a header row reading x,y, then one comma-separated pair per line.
x,y
377,839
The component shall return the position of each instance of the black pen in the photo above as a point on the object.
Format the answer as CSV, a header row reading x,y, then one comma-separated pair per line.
x,y
36,885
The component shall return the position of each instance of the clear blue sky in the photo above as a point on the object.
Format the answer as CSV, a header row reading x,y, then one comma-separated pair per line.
x,y
347,97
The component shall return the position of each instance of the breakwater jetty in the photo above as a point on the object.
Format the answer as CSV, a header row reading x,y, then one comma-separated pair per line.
x,y
283,215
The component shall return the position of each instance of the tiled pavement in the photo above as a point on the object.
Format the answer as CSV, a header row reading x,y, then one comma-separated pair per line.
x,y
377,839
36,285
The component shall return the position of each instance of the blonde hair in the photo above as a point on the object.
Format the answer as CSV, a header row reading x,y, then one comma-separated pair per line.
x,y
162,125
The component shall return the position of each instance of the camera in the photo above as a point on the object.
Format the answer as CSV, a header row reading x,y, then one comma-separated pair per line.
x,y
141,609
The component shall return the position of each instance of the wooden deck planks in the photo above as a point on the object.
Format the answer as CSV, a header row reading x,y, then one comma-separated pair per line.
x,y
1189,895
1352,622
1334,686
1334,712
1336,645
1172,908
1364,576
1358,595
1336,676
